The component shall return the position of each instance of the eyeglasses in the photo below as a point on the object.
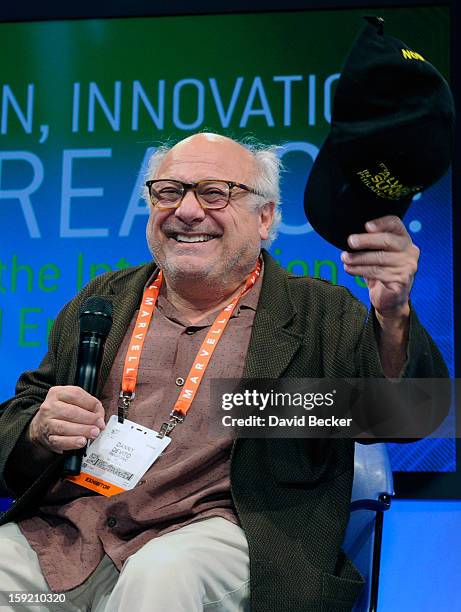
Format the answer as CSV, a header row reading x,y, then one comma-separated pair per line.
x,y
212,194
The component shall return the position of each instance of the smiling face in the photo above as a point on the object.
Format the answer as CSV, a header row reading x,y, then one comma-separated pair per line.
x,y
211,246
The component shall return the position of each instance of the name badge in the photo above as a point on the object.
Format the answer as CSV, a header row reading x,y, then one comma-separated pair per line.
x,y
119,457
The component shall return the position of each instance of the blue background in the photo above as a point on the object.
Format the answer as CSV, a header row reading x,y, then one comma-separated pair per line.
x,y
115,53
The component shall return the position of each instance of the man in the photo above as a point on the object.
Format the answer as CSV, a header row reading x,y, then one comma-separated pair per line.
x,y
255,524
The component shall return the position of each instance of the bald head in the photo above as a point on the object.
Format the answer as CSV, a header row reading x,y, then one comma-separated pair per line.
x,y
209,156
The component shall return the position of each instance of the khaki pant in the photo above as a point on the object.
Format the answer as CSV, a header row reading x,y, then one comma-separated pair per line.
x,y
203,566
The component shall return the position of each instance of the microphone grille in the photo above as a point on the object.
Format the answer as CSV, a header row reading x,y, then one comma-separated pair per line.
x,y
96,315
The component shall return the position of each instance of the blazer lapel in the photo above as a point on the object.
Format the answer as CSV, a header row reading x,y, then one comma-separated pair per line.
x,y
273,344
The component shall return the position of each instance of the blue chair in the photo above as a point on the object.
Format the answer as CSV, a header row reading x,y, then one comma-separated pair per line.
x,y
372,491
5,503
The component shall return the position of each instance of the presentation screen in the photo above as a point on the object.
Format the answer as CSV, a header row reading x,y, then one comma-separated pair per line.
x,y
83,104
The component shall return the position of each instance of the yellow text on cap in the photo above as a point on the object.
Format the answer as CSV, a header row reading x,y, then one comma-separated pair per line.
x,y
407,54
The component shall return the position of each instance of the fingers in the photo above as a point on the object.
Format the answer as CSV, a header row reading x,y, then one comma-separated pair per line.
x,y
371,258
68,417
386,252
385,275
389,223
59,444
73,403
382,265
386,233
380,240
385,256
64,428
76,396
73,414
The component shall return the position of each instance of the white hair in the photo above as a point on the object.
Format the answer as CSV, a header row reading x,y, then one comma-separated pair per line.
x,y
266,181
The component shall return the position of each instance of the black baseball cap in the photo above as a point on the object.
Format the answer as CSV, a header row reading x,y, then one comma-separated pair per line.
x,y
391,136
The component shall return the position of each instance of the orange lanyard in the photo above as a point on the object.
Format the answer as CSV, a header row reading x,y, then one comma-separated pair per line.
x,y
197,371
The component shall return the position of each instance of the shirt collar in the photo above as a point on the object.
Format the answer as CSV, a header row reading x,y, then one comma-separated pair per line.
x,y
247,301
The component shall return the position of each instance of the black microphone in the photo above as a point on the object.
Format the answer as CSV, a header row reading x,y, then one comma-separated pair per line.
x,y
95,324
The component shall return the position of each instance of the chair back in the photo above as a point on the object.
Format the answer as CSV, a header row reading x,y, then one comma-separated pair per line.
x,y
371,495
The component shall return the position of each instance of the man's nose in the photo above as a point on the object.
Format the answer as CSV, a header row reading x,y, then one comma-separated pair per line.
x,y
190,210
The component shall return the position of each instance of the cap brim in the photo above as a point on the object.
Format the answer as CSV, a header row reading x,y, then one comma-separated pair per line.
x,y
335,208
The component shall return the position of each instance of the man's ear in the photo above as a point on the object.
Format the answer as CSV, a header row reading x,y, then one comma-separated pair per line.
x,y
266,217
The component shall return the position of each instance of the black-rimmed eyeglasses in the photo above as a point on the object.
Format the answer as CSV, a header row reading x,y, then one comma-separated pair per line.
x,y
213,194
